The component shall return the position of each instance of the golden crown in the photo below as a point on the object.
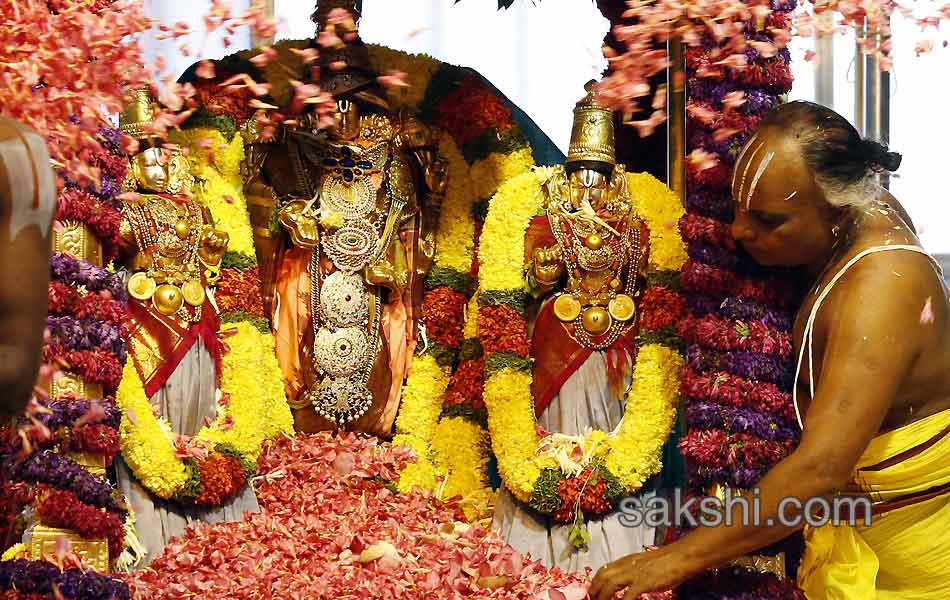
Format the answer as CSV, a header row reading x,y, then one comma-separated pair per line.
x,y
138,114
592,137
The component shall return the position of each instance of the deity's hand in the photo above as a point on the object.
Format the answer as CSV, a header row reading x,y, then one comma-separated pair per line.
x,y
548,266
212,245
301,223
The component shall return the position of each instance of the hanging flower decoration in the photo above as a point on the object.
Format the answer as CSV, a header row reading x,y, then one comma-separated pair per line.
x,y
743,41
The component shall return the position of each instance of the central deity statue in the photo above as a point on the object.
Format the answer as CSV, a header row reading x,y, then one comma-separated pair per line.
x,y
342,277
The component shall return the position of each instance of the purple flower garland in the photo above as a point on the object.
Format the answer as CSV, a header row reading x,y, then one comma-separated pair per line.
x,y
77,272
39,577
64,413
765,436
50,468
86,334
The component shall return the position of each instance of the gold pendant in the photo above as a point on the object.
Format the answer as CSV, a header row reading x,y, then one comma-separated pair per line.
x,y
167,299
182,229
596,320
141,286
594,241
622,307
566,308
193,292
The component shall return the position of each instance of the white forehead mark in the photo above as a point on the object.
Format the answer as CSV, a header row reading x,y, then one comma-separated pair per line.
x,y
790,196
745,171
748,145
758,174
31,180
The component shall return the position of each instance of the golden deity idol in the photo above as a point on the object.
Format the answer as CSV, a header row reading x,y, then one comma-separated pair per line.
x,y
172,255
356,207
177,250
584,258
593,257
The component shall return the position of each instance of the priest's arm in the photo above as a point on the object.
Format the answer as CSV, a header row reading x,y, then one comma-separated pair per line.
x,y
878,343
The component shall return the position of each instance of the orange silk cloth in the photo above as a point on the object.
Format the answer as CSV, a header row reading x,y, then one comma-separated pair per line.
x,y
557,353
293,333
158,343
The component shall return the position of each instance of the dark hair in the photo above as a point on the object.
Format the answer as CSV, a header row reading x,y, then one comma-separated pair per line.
x,y
839,158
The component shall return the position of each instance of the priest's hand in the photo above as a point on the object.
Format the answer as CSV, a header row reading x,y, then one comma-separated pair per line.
x,y
639,573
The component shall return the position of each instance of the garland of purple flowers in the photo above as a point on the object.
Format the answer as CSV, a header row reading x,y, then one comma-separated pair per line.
x,y
23,578
43,578
73,271
729,444
63,413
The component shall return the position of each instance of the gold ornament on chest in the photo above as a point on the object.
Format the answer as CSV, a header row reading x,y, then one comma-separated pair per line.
x,y
601,263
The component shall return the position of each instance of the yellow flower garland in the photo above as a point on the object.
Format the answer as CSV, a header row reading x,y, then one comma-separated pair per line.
x,y
218,170
460,451
633,453
455,241
248,377
492,171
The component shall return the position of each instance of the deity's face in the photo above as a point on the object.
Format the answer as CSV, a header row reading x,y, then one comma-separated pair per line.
x,y
781,217
347,117
160,170
588,185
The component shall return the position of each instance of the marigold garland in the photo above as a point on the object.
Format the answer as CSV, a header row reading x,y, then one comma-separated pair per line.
x,y
619,463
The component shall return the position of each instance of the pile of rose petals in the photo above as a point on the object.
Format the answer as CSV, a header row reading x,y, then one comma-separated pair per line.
x,y
330,528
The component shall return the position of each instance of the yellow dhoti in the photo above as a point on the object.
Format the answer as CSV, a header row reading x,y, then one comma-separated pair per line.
x,y
905,553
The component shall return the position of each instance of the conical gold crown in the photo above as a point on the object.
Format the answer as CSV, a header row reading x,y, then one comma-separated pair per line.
x,y
592,138
138,114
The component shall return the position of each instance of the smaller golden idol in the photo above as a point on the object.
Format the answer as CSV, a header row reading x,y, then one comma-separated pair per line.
x,y
596,320
141,286
622,307
193,292
167,299
566,308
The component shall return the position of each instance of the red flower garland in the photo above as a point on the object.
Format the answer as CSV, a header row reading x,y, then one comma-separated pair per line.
x,y
502,329
101,218
723,334
468,384
95,439
661,307
240,291
697,228
62,509
65,299
221,477
733,390
444,312
471,109
95,366
721,283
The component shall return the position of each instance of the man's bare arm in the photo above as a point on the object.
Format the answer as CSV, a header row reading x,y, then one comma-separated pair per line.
x,y
27,199
872,342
